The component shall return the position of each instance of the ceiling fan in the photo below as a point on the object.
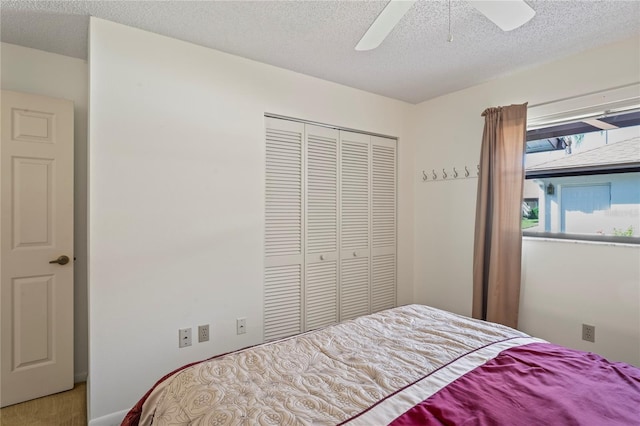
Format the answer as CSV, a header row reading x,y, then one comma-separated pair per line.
x,y
508,15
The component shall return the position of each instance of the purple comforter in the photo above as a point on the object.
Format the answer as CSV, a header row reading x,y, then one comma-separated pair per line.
x,y
536,384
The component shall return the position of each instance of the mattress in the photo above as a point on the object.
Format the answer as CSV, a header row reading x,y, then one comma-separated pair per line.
x,y
412,365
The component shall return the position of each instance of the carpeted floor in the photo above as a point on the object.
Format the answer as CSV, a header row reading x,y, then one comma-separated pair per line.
x,y
64,408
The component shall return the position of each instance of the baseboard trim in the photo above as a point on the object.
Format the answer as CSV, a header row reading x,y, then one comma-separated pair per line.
x,y
113,419
80,377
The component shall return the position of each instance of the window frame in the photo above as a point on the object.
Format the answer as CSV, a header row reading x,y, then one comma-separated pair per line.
x,y
582,237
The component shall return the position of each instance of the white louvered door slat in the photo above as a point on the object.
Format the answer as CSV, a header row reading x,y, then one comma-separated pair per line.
x,y
283,225
321,294
354,225
383,217
383,286
321,278
354,288
282,299
284,212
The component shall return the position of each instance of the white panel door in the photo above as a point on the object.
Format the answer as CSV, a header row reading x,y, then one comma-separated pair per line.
x,y
355,245
321,275
284,228
36,229
383,222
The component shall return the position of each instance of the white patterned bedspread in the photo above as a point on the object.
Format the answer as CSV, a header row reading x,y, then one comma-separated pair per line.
x,y
325,377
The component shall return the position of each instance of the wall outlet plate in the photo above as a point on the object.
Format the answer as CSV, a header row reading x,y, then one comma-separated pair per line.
x,y
241,325
184,337
589,333
203,333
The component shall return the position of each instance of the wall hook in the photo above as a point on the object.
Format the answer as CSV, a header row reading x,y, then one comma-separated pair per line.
x,y
455,173
424,176
433,173
444,174
466,171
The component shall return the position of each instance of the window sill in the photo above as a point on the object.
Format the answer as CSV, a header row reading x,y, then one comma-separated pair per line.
x,y
582,239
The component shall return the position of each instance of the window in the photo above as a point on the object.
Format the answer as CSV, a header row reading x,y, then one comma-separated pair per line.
x,y
582,180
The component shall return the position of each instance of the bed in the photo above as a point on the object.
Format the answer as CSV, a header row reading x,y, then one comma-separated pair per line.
x,y
411,365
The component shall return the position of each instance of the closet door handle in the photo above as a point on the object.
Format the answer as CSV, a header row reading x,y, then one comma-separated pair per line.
x,y
355,253
322,257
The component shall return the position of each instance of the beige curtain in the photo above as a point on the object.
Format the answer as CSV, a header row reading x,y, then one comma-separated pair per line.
x,y
498,238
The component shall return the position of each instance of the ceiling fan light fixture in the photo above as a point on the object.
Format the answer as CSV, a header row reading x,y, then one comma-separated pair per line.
x,y
508,15
384,23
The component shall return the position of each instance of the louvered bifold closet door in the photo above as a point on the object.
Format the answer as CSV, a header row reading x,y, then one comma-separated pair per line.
x,y
321,272
354,225
383,215
284,214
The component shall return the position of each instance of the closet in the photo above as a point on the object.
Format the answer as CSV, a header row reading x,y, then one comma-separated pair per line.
x,y
330,226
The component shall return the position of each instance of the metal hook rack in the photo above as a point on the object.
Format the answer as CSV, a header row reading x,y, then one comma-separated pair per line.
x,y
455,174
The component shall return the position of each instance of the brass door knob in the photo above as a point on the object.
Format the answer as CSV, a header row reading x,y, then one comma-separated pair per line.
x,y
62,260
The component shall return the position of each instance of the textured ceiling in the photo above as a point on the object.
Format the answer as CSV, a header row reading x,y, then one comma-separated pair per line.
x,y
414,63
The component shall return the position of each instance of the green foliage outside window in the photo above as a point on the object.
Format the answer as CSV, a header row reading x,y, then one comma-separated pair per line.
x,y
623,233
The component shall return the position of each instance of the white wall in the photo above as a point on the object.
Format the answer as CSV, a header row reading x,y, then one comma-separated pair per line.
x,y
176,198
566,284
448,132
48,74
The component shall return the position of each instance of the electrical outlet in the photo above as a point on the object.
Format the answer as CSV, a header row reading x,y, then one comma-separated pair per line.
x,y
203,333
241,325
589,333
184,337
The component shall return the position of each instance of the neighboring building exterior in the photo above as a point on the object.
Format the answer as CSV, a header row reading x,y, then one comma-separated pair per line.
x,y
592,192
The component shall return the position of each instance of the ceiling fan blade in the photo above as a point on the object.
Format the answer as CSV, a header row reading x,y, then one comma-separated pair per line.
x,y
508,15
600,124
384,23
